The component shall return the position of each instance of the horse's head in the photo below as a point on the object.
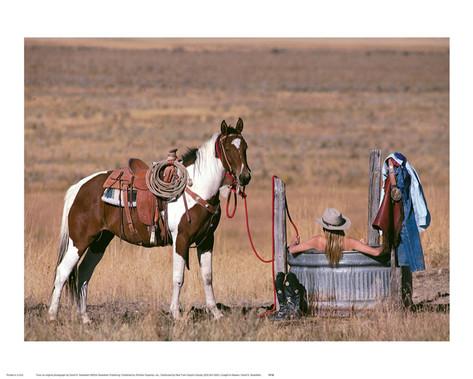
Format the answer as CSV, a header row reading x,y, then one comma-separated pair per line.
x,y
231,149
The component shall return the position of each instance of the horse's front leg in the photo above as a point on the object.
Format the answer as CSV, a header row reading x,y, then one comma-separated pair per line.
x,y
205,261
178,266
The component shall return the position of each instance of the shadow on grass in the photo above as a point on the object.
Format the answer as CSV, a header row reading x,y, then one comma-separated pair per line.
x,y
431,305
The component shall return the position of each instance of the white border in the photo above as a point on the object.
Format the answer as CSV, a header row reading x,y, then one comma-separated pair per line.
x,y
237,19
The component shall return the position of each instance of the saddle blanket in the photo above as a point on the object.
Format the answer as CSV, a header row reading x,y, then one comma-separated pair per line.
x,y
112,196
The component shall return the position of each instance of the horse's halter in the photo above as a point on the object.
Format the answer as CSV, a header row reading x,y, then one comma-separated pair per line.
x,y
221,153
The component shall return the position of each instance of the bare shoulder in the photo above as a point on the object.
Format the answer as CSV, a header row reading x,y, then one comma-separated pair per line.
x,y
318,242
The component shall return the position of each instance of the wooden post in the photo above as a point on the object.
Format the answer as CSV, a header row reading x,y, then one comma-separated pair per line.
x,y
395,281
280,239
406,287
401,285
374,193
400,281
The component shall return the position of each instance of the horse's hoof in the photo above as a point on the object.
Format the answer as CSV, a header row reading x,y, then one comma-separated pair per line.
x,y
217,314
52,317
176,315
85,319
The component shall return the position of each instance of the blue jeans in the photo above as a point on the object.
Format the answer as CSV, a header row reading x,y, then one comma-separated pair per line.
x,y
409,252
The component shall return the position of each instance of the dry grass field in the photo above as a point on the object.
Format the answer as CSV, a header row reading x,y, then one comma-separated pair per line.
x,y
312,109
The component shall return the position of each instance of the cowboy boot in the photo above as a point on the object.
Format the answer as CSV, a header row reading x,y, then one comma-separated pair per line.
x,y
283,311
301,294
294,295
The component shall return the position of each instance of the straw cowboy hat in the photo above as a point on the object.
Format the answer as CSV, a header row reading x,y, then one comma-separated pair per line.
x,y
332,219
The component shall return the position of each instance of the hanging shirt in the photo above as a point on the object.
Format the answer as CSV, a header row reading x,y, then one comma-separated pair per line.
x,y
409,251
419,203
390,214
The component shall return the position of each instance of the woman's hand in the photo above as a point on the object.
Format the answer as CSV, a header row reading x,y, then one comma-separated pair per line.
x,y
295,241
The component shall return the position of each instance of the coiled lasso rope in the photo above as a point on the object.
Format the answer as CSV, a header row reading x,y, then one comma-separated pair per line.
x,y
168,191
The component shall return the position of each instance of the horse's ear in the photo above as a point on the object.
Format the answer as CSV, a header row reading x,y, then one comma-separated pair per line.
x,y
239,125
223,127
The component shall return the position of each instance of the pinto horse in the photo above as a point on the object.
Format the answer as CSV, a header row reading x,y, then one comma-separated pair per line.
x,y
88,224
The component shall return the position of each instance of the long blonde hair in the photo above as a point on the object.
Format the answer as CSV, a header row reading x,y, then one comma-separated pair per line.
x,y
334,245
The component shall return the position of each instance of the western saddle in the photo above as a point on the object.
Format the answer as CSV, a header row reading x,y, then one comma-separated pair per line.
x,y
130,180
151,209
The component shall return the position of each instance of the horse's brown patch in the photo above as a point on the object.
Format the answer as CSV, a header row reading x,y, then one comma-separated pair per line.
x,y
202,226
89,216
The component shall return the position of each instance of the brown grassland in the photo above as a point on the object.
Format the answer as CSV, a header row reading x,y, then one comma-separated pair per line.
x,y
312,109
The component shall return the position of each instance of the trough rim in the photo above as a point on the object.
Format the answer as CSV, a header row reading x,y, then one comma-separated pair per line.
x,y
350,258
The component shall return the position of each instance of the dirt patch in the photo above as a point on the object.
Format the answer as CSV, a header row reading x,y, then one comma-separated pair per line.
x,y
432,289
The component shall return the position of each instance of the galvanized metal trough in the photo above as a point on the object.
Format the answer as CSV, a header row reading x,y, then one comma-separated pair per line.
x,y
357,282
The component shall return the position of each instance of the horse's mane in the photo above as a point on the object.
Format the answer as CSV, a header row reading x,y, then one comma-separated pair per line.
x,y
201,156
189,156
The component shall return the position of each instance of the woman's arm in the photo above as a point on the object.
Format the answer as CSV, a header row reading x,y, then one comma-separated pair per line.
x,y
296,247
353,244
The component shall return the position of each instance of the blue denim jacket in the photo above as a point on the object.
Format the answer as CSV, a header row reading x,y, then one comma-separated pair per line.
x,y
409,252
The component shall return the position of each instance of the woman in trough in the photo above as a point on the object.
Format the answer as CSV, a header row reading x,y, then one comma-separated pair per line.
x,y
333,241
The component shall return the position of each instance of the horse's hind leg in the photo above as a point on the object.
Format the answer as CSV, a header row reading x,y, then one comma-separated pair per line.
x,y
82,217
93,256
63,271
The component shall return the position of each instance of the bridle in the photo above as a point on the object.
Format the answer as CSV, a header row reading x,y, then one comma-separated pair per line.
x,y
221,154
235,186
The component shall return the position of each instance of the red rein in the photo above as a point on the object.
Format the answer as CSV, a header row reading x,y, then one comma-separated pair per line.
x,y
232,214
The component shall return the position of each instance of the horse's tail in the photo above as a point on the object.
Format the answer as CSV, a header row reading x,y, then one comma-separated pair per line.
x,y
71,283
64,239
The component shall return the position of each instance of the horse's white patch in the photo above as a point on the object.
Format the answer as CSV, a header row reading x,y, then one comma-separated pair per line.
x,y
178,266
68,262
236,142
